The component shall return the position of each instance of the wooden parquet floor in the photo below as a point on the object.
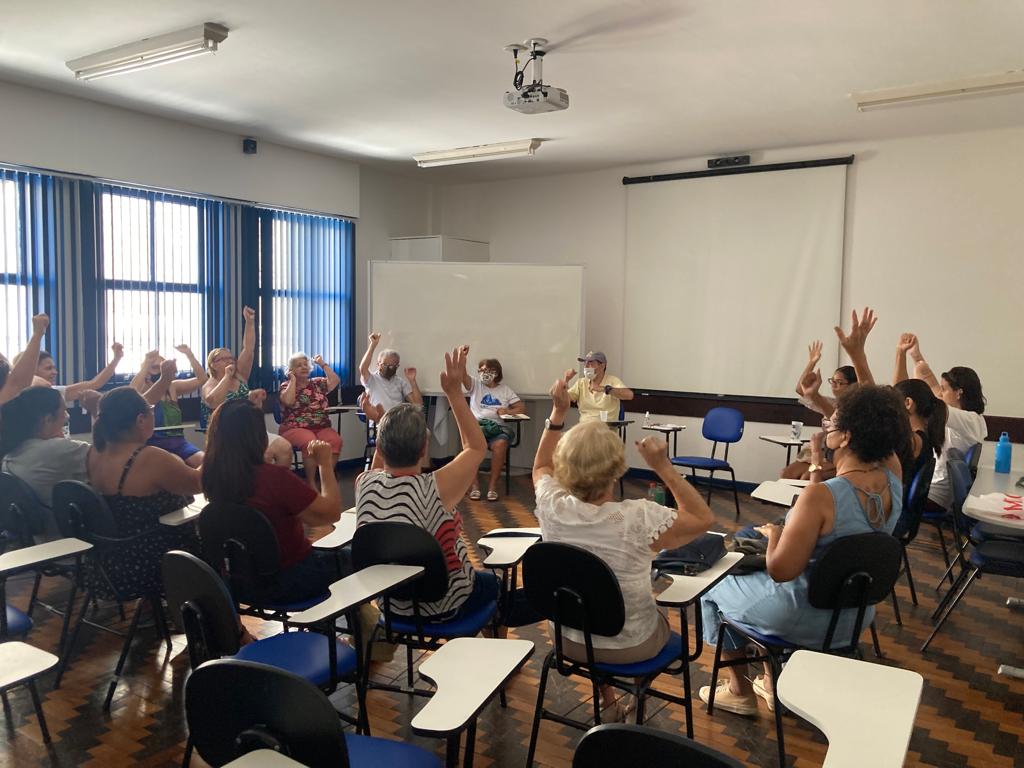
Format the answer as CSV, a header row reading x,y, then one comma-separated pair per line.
x,y
968,716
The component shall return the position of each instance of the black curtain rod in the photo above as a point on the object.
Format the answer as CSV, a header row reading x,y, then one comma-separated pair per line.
x,y
848,160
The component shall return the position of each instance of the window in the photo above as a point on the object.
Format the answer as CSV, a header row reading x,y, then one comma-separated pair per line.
x,y
308,265
15,313
152,273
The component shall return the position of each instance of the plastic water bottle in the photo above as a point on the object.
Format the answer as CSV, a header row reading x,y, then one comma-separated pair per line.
x,y
1003,452
659,494
647,419
652,492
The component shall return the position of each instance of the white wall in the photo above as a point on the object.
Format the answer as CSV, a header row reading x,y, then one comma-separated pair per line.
x,y
933,241
62,133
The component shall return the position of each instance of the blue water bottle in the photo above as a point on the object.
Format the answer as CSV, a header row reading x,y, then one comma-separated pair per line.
x,y
1003,449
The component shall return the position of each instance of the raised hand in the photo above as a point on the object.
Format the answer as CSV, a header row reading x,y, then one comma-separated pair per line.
x,y
185,349
169,368
319,451
319,360
410,373
464,349
859,330
373,412
118,349
453,373
150,356
559,395
257,396
40,323
905,343
569,374
249,314
90,401
814,353
653,450
373,338
230,371
810,384
915,350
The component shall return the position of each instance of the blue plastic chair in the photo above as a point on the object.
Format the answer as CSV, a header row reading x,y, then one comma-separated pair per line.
x,y
914,499
296,452
721,425
940,518
371,440
235,707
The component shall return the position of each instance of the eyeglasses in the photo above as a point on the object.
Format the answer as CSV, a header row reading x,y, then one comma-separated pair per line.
x,y
838,382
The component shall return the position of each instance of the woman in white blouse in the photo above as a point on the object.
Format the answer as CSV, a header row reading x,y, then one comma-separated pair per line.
x,y
574,476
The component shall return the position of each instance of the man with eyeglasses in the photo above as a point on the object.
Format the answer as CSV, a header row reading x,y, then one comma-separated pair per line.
x,y
384,386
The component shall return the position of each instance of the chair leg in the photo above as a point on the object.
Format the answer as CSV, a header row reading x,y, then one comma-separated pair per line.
x,y
944,601
874,637
910,576
35,594
896,607
949,610
69,647
538,711
161,621
958,559
711,479
735,494
39,710
945,557
124,655
776,672
714,669
408,665
186,759
66,622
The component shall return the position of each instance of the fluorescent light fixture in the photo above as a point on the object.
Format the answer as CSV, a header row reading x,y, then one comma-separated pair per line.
x,y
150,52
498,151
892,97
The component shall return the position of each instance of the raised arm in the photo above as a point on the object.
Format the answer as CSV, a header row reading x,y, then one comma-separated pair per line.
x,y
543,461
326,508
364,365
415,396
924,371
455,477
245,358
138,382
813,357
185,386
218,393
905,343
332,378
168,370
22,371
467,380
694,515
74,391
289,391
853,343
810,388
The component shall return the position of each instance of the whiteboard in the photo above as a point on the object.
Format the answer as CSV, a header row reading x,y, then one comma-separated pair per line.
x,y
728,278
528,316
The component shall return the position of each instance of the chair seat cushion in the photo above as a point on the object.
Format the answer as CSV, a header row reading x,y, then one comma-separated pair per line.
x,y
673,650
461,626
773,641
303,653
700,462
18,622
1002,558
369,752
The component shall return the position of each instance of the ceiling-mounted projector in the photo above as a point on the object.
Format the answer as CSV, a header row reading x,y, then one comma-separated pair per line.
x,y
535,97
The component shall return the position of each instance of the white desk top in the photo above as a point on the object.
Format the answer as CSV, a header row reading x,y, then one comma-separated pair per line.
x,y
467,672
192,425
666,428
342,534
785,440
776,492
795,483
343,409
866,711
263,758
358,588
20,661
40,554
185,514
685,589
506,551
516,531
515,417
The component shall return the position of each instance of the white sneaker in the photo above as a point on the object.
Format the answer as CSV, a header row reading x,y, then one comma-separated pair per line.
x,y
729,701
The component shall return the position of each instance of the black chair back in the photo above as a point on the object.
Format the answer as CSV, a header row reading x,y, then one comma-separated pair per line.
x,y
854,572
21,513
972,457
235,707
572,587
617,745
403,544
915,498
82,513
239,542
200,604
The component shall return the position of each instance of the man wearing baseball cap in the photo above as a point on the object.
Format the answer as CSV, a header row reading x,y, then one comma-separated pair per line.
x,y
597,394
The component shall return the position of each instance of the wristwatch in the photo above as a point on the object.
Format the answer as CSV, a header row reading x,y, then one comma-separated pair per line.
x,y
607,389
548,424
815,468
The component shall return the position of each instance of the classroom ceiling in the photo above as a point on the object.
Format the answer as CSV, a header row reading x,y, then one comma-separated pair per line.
x,y
649,80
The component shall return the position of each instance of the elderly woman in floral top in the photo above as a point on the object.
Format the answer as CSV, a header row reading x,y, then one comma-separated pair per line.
x,y
304,408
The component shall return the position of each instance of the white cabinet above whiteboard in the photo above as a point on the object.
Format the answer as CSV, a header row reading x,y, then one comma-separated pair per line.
x,y
438,248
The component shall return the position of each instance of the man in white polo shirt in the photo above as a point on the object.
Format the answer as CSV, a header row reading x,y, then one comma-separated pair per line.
x,y
384,386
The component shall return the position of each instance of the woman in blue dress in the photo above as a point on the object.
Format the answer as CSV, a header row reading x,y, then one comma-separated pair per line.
x,y
867,431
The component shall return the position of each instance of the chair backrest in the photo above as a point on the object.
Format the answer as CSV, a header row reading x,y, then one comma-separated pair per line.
x,y
616,745
240,542
574,588
390,543
622,411
916,497
723,425
960,481
277,407
972,457
81,512
21,513
199,603
235,707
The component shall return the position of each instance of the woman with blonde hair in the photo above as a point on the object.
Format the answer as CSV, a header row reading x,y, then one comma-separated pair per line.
x,y
574,476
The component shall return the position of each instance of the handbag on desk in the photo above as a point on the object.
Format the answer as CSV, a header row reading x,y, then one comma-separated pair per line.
x,y
693,558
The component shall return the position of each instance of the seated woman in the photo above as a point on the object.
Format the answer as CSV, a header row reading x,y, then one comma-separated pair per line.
x,y
304,409
227,381
34,449
869,426
47,371
235,472
598,394
157,383
394,490
18,376
808,386
140,483
928,416
960,389
489,400
574,476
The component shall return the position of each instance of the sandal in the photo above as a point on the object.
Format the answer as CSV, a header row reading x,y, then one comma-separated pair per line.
x,y
474,495
619,711
764,693
492,495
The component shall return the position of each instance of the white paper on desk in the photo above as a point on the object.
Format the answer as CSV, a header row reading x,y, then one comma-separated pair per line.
x,y
1003,505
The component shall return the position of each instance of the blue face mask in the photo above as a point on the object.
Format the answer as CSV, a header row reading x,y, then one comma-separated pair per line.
x,y
829,454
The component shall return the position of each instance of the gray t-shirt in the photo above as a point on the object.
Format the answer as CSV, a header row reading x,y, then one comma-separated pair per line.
x,y
388,392
41,464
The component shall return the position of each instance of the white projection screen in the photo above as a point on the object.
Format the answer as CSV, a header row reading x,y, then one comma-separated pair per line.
x,y
729,277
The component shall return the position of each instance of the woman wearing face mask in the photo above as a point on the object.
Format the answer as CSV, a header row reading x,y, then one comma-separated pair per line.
x,y
960,389
490,399
304,409
597,392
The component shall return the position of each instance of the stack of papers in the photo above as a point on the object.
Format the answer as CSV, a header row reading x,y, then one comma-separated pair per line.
x,y
998,506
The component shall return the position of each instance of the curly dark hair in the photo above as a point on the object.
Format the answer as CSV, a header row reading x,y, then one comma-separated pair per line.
x,y
876,420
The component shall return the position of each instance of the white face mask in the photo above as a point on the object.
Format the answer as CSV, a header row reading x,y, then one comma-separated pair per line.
x,y
486,377
590,373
